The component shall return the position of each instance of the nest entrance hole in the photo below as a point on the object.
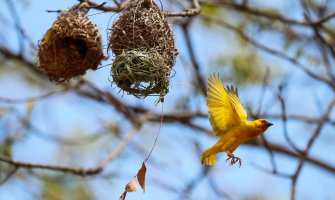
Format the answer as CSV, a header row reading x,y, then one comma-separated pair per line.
x,y
76,47
146,4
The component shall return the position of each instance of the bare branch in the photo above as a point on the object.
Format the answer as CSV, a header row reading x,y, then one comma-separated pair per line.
x,y
284,150
244,8
200,80
102,7
282,103
9,175
187,13
36,98
80,171
16,18
308,147
270,50
12,56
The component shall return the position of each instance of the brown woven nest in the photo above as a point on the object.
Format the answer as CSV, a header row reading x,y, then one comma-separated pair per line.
x,y
70,47
142,31
141,72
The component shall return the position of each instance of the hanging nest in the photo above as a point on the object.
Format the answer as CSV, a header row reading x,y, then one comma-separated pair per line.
x,y
70,47
142,33
141,72
143,25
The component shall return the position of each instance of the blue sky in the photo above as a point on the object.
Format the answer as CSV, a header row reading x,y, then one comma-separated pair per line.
x,y
175,159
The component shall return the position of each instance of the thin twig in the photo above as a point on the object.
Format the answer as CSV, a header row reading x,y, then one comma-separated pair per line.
x,y
284,150
282,103
15,15
103,7
270,171
9,175
36,98
269,15
269,50
271,153
124,142
80,171
187,13
195,63
308,147
261,98
13,56
186,193
185,118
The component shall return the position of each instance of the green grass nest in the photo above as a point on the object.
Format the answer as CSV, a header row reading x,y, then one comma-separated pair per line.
x,y
141,73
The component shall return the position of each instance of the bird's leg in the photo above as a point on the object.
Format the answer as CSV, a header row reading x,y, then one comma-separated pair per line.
x,y
232,159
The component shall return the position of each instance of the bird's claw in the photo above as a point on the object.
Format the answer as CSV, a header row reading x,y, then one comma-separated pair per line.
x,y
233,160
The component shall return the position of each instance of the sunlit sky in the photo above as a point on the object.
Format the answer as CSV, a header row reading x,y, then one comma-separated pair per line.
x,y
173,163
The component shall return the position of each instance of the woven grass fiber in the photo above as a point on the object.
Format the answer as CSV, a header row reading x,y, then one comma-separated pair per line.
x,y
70,47
144,48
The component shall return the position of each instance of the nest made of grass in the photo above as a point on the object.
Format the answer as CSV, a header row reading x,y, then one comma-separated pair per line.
x,y
141,72
143,25
70,47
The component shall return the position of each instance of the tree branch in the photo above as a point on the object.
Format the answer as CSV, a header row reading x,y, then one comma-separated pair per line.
x,y
308,147
200,80
244,8
188,12
270,50
81,171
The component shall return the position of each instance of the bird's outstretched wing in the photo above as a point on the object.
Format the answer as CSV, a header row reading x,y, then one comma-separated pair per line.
x,y
236,102
224,107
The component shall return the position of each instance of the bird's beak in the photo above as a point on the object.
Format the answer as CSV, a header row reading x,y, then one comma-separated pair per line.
x,y
268,124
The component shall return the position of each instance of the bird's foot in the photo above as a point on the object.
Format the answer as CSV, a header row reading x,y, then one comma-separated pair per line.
x,y
233,160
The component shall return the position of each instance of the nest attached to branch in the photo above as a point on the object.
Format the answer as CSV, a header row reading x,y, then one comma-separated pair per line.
x,y
141,72
70,47
142,34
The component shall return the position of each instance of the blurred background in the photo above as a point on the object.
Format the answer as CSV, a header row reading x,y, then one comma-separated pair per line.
x,y
280,54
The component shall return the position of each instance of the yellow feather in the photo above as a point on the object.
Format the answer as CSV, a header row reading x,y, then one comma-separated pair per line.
x,y
229,121
235,100
221,111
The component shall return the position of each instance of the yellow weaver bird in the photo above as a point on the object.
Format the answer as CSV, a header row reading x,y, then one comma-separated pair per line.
x,y
229,121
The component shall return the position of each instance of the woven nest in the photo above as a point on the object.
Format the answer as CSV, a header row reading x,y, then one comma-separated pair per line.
x,y
142,32
71,46
141,72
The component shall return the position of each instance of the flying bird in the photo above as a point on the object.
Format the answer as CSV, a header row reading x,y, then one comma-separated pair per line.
x,y
229,122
